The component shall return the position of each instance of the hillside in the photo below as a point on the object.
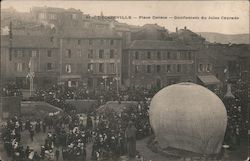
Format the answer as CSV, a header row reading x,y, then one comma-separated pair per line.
x,y
226,38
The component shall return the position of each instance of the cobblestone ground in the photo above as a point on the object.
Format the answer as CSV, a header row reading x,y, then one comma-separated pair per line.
x,y
237,155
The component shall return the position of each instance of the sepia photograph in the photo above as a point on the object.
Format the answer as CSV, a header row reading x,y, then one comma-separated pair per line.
x,y
124,80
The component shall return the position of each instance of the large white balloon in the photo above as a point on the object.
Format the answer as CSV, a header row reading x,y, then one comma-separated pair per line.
x,y
189,117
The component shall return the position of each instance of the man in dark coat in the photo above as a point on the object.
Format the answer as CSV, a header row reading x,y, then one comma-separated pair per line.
x,y
130,135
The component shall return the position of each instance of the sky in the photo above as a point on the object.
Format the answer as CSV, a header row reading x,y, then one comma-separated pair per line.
x,y
168,9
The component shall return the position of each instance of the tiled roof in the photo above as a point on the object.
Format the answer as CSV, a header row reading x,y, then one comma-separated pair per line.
x,y
156,44
28,42
187,32
88,33
153,25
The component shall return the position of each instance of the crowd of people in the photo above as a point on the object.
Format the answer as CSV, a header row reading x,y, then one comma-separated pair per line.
x,y
109,132
237,126
11,135
105,130
10,90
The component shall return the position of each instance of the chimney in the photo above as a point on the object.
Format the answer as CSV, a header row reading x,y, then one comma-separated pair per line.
x,y
176,30
185,28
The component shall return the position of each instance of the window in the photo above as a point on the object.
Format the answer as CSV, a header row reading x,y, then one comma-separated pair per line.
x,y
148,68
111,53
19,67
136,69
168,68
136,55
112,67
178,67
101,67
90,67
90,53
68,68
178,55
90,42
168,55
68,53
19,53
158,68
101,41
79,52
79,42
49,66
101,53
158,55
149,55
111,42
49,53
34,53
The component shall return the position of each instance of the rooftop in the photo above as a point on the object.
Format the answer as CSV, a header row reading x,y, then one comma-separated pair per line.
x,y
28,41
156,44
88,33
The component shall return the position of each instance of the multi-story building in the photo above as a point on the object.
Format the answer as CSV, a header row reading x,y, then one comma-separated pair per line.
x,y
150,32
205,69
205,61
91,58
230,60
17,54
188,36
154,63
76,49
57,16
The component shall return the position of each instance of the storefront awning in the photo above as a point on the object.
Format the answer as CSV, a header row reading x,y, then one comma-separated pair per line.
x,y
209,79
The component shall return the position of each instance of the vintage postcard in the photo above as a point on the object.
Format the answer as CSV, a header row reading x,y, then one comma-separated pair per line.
x,y
124,80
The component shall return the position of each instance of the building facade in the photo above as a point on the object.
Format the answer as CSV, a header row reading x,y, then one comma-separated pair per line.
x,y
91,59
21,52
69,47
153,63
